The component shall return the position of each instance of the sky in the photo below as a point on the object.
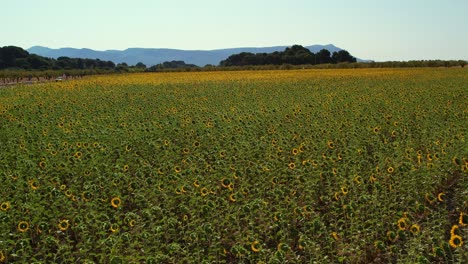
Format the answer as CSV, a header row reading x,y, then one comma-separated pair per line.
x,y
379,30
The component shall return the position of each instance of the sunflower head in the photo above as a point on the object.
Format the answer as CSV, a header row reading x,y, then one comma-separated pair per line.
x,y
23,226
114,228
402,223
379,245
116,202
63,225
454,230
335,236
255,246
392,236
456,241
415,229
441,196
463,220
5,206
344,190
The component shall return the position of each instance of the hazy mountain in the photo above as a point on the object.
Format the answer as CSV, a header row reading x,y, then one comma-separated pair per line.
x,y
155,56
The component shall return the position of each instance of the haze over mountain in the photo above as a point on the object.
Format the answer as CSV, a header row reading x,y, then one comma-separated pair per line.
x,y
151,56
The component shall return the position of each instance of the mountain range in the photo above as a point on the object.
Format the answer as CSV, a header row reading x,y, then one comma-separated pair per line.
x,y
151,56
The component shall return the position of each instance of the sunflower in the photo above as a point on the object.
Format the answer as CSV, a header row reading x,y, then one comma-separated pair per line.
x,y
274,142
204,191
132,223
295,151
63,225
344,190
196,184
33,184
330,144
337,197
196,144
358,179
440,197
454,230
5,206
128,148
222,153
339,156
114,228
429,157
2,257
414,229
68,193
392,236
42,164
232,197
23,226
390,170
402,223
78,155
225,182
177,169
372,178
429,198
292,165
456,161
125,168
463,220
379,245
335,236
255,246
116,202
456,241
86,196
185,151
376,129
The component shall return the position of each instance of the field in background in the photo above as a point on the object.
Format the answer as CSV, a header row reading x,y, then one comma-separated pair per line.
x,y
353,166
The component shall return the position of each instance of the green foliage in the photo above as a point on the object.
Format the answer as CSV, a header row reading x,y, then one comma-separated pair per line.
x,y
16,57
294,55
171,65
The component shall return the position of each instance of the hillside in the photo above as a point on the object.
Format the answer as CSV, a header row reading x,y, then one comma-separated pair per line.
x,y
149,57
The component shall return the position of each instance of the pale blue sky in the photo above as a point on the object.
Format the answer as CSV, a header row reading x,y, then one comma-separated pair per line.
x,y
368,29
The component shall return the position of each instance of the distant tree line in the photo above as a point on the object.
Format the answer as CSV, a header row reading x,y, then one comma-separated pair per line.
x,y
295,55
18,58
171,65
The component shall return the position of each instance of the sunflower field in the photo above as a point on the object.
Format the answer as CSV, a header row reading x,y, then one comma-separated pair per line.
x,y
300,166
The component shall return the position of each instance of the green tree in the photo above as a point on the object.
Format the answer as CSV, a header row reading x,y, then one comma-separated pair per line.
x,y
140,65
342,56
323,56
